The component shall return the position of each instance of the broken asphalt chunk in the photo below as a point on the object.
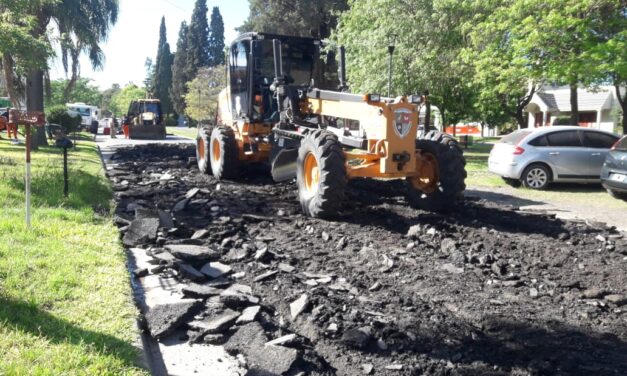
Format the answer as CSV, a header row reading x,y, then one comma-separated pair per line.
x,y
215,269
216,324
163,319
141,231
192,253
299,306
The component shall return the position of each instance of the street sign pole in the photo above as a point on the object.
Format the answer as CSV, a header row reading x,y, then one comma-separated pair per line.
x,y
28,177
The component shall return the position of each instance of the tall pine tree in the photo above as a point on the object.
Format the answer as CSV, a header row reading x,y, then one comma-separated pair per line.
x,y
180,74
216,38
162,79
198,39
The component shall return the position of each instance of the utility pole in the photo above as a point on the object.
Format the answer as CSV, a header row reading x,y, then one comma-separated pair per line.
x,y
391,47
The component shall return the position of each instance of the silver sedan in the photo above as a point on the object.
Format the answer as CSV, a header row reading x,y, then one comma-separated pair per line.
x,y
539,156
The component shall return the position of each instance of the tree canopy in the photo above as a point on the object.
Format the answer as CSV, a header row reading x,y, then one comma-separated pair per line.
x,y
122,99
162,79
202,96
180,74
216,38
84,91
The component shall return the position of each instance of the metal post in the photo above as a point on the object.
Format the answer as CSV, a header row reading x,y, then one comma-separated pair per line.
x,y
390,62
65,174
27,182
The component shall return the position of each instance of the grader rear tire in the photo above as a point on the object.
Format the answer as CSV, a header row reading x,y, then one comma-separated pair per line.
x,y
223,154
443,188
320,174
203,140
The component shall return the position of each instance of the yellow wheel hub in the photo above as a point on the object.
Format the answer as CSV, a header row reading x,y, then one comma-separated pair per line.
x,y
311,174
216,152
427,176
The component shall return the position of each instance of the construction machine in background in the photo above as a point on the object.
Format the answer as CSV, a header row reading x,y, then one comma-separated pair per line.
x,y
144,120
271,112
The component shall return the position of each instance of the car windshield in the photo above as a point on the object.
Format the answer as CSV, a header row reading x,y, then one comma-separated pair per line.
x,y
515,137
621,144
83,111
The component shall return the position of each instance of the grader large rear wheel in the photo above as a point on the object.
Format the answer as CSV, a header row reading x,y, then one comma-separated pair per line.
x,y
202,151
439,185
223,153
321,174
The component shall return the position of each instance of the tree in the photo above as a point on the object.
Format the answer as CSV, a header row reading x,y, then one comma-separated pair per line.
x,y
608,54
20,49
163,71
180,75
428,40
105,104
216,38
201,99
294,17
81,26
83,91
198,39
506,76
122,99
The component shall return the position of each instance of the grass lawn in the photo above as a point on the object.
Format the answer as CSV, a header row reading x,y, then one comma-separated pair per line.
x,y
182,131
65,297
478,176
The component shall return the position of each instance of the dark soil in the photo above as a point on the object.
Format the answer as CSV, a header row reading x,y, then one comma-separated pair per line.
x,y
390,290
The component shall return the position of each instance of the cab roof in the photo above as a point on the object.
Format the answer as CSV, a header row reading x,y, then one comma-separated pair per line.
x,y
270,36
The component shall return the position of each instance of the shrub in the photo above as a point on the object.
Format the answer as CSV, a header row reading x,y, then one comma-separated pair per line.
x,y
59,115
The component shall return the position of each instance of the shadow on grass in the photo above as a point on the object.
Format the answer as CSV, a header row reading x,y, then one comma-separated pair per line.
x,y
86,190
29,318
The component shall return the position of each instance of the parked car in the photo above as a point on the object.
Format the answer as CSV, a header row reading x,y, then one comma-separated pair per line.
x,y
614,171
539,156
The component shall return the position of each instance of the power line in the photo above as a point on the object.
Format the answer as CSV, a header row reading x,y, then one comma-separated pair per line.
x,y
175,5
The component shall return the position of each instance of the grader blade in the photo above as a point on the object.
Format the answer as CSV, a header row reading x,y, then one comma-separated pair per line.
x,y
284,165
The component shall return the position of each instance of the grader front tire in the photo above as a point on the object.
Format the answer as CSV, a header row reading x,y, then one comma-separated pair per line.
x,y
223,154
444,185
321,174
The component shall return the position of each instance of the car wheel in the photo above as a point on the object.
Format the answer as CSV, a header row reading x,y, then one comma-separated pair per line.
x,y
536,177
512,182
618,195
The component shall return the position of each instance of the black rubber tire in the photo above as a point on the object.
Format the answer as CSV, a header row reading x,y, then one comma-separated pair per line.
x,y
330,192
204,164
538,170
227,165
512,182
452,174
617,195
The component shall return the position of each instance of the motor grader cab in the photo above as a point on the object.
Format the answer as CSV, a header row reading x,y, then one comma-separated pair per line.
x,y
144,120
271,112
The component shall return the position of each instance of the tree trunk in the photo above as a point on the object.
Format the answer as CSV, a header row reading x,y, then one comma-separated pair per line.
x,y
574,105
35,102
427,115
623,105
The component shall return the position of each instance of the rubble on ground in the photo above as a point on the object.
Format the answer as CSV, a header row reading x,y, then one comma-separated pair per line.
x,y
384,289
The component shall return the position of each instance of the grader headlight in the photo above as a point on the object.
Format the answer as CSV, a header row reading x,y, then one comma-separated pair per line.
x,y
372,98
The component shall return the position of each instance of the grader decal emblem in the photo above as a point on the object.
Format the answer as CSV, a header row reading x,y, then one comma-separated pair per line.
x,y
402,122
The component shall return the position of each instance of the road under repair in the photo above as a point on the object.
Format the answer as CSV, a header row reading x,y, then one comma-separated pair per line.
x,y
382,289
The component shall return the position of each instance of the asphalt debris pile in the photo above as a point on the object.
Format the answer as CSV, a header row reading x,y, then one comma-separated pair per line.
x,y
383,289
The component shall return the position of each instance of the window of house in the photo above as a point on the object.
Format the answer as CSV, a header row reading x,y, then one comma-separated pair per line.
x,y
564,139
599,140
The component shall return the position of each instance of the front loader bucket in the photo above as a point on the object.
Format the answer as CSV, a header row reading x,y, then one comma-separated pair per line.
x,y
284,165
147,132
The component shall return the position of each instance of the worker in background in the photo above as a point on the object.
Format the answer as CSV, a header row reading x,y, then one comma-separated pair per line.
x,y
11,127
114,126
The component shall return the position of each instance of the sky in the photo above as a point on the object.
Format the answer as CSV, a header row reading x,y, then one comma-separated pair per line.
x,y
136,34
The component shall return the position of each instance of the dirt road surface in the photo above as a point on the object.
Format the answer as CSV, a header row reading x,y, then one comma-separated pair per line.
x,y
563,207
383,289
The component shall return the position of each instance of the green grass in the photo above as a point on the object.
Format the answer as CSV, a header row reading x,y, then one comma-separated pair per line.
x,y
477,166
182,131
65,299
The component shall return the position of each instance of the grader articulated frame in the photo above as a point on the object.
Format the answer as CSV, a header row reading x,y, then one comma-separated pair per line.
x,y
270,112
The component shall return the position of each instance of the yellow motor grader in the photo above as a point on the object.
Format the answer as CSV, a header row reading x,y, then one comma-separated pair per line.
x,y
271,112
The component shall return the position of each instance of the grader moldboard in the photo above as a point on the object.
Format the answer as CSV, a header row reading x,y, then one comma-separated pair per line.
x,y
270,112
